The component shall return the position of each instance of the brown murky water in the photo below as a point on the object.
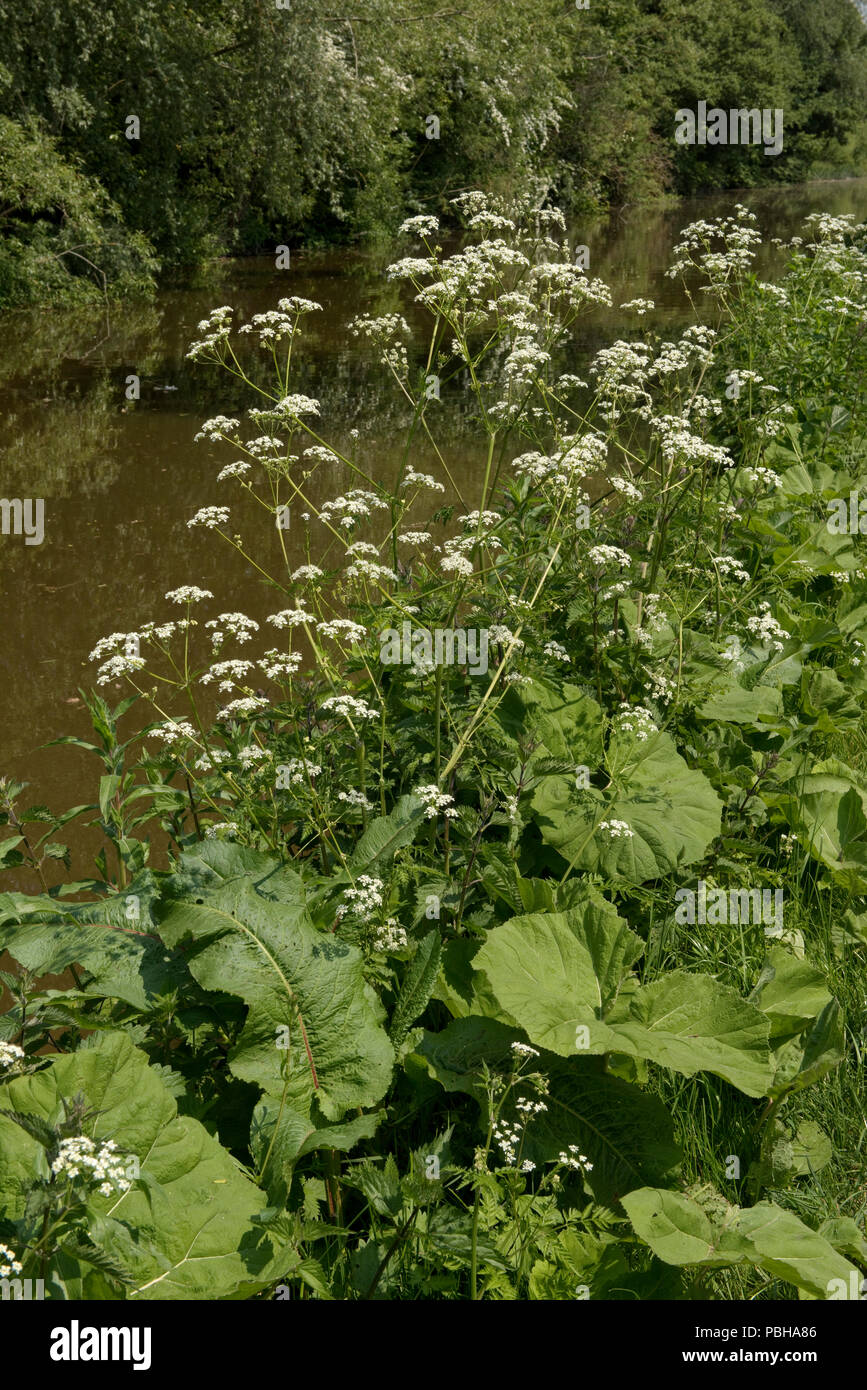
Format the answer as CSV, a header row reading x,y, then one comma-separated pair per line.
x,y
120,478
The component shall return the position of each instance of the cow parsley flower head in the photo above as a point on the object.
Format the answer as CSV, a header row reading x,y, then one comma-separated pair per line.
x,y
294,406
172,731
11,1055
348,707
574,1159
457,564
118,666
503,636
210,517
413,479
79,1159
410,268
215,330
766,629
9,1266
730,568
626,488
363,900
236,625
555,650
296,772
605,556
228,673
249,705
218,428
617,829
640,306
355,798
221,830
391,936
290,617
188,593
637,721
342,629
436,801
277,665
421,226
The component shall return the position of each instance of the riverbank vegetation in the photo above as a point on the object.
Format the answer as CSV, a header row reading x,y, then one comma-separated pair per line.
x,y
140,138
454,982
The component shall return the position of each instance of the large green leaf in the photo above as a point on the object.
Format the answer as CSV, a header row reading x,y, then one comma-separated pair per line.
x,y
121,962
693,1023
826,809
626,1133
672,812
112,939
682,1232
565,720
457,1054
832,704
799,1064
790,992
294,977
187,1231
732,703
562,977
551,972
216,860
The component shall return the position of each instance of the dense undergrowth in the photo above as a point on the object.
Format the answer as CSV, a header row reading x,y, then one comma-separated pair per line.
x,y
536,972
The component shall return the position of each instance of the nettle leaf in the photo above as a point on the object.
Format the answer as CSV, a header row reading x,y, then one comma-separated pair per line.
x,y
187,1230
387,834
682,1232
292,977
672,812
279,1137
416,987
562,977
